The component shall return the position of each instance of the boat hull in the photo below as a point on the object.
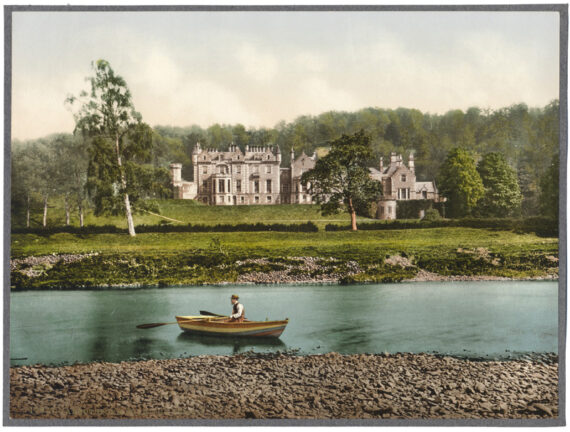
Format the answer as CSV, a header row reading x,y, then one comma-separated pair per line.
x,y
216,327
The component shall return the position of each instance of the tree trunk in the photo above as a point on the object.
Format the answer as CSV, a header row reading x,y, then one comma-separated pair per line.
x,y
128,212
352,215
28,211
45,210
80,213
66,211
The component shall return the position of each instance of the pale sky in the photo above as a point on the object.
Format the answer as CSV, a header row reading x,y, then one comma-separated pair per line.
x,y
258,68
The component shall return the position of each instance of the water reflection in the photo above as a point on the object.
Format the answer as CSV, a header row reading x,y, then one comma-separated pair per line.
x,y
236,344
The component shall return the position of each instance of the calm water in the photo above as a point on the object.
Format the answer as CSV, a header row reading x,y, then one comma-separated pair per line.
x,y
494,319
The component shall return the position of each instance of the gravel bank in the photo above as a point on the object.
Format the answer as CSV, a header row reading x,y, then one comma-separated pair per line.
x,y
284,386
288,270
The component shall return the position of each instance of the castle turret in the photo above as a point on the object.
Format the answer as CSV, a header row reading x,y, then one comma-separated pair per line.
x,y
278,152
176,172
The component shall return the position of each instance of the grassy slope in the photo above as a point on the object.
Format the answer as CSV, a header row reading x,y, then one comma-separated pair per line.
x,y
187,211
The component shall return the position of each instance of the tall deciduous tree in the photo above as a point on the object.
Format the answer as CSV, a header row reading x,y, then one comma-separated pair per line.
x,y
24,178
502,193
550,190
70,172
341,179
460,183
106,113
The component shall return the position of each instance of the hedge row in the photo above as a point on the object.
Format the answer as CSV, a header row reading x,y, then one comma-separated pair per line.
x,y
410,209
167,228
542,226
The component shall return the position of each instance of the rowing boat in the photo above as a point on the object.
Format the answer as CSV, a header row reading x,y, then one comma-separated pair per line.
x,y
216,326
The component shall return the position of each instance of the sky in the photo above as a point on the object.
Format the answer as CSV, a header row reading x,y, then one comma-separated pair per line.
x,y
260,68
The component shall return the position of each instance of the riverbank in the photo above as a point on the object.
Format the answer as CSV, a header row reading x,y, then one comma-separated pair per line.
x,y
280,386
98,270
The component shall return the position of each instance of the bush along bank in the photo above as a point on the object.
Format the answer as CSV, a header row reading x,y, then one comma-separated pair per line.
x,y
541,226
171,228
210,267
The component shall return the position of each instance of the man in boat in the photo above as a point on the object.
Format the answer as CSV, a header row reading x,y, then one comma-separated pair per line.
x,y
238,312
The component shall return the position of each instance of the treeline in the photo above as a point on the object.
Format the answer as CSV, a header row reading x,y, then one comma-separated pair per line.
x,y
526,137
63,166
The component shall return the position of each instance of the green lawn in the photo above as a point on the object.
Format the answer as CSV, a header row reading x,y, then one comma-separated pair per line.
x,y
360,243
188,211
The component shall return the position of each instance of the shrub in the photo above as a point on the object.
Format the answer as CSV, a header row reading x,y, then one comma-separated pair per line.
x,y
410,209
542,226
431,215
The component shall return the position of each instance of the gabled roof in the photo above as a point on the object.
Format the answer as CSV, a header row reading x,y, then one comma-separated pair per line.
x,y
425,186
375,174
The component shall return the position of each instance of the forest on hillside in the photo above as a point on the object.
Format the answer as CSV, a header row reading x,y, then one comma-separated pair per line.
x,y
60,164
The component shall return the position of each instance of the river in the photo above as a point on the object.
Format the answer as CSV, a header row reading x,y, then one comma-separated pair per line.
x,y
488,319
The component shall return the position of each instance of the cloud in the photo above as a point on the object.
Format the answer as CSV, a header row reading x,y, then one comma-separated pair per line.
x,y
256,64
474,70
316,95
38,103
310,62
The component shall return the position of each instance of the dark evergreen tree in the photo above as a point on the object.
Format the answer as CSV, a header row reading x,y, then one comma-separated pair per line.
x,y
502,196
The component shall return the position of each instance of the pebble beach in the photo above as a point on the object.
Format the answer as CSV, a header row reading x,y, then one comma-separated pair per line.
x,y
284,386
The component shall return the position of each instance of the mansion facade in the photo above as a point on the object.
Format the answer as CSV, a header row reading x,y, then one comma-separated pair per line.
x,y
237,178
399,183
256,177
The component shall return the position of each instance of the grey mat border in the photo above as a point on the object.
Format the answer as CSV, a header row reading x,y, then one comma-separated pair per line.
x,y
562,9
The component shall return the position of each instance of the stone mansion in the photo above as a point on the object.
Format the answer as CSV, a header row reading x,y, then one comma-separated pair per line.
x,y
256,177
237,178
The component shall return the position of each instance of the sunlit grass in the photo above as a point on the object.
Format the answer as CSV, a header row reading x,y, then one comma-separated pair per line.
x,y
275,243
188,211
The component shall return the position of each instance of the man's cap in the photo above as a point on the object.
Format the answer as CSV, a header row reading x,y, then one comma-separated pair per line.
x,y
235,296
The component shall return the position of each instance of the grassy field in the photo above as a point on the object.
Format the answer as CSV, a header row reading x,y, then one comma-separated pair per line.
x,y
195,258
188,211
360,243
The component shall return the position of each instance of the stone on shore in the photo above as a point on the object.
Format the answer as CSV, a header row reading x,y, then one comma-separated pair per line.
x,y
280,386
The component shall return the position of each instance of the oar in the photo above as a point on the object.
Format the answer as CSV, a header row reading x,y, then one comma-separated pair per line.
x,y
211,314
152,325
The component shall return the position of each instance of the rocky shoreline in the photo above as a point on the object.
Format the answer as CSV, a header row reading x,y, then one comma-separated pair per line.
x,y
288,270
283,386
